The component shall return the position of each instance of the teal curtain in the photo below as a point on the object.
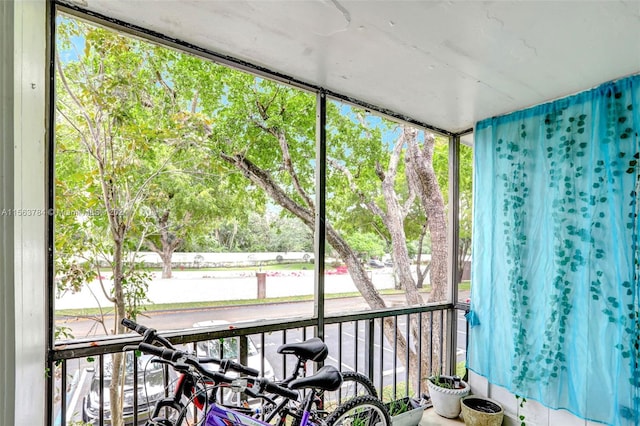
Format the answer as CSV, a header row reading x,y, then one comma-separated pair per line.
x,y
555,277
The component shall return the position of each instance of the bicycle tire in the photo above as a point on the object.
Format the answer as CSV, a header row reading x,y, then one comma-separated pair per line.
x,y
364,410
353,384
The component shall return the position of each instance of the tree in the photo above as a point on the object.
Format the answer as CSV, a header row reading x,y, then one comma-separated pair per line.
x,y
179,203
116,135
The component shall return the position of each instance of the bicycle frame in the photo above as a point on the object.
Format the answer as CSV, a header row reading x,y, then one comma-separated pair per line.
x,y
217,414
278,403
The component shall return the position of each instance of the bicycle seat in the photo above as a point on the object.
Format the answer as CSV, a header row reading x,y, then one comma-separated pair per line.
x,y
327,378
312,349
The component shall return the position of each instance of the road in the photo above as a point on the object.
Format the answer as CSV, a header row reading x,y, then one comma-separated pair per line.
x,y
352,343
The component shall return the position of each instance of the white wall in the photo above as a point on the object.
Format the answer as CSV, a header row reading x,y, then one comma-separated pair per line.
x,y
23,41
534,413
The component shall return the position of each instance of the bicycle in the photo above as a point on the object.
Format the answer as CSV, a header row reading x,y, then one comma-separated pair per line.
x,y
196,382
315,350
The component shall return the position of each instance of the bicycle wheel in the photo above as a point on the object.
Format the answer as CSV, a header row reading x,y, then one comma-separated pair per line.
x,y
353,384
362,410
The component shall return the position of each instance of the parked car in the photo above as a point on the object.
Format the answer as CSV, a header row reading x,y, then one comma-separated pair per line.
x,y
151,388
375,263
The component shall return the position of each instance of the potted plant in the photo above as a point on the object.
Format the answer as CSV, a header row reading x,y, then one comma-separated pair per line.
x,y
446,392
481,411
405,412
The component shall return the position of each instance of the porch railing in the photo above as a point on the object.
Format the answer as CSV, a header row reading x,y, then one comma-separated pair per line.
x,y
356,342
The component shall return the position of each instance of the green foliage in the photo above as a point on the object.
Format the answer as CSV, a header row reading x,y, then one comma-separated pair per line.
x,y
367,244
520,400
442,384
116,134
72,275
62,332
135,285
445,382
466,196
175,105
403,405
159,149
393,393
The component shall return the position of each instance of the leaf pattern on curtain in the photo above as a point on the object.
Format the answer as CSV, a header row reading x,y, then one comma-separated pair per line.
x,y
555,277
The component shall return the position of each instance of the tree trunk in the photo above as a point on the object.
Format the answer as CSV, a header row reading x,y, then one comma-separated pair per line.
x,y
463,256
166,266
168,243
396,279
372,297
421,174
118,370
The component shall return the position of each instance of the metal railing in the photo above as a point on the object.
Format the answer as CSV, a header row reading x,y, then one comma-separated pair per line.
x,y
359,341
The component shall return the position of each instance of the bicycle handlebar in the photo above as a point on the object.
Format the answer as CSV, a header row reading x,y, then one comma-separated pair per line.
x,y
280,390
175,356
149,334
171,354
134,326
232,365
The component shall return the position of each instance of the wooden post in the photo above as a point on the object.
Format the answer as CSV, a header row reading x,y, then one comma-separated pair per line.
x,y
262,285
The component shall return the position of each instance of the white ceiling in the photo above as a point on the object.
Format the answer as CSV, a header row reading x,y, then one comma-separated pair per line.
x,y
445,63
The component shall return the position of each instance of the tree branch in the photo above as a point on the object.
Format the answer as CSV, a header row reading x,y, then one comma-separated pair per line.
x,y
104,290
172,92
194,101
72,123
372,206
81,107
288,165
134,201
262,179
